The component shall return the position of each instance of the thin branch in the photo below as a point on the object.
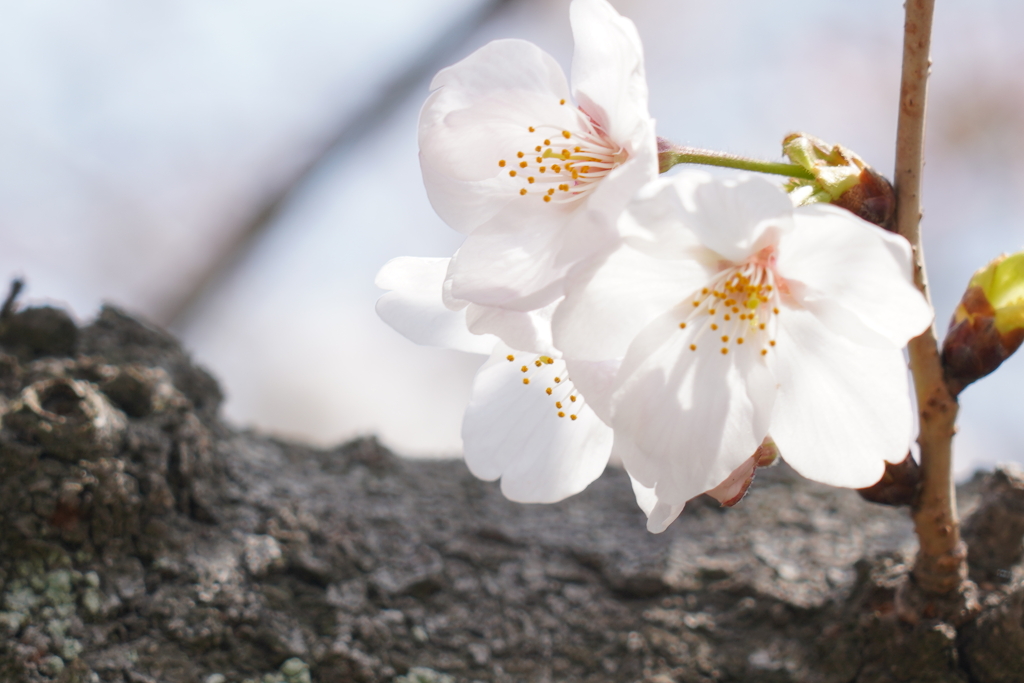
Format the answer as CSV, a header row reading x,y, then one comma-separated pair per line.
x,y
941,560
12,296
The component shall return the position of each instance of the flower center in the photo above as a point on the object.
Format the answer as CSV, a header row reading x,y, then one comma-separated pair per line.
x,y
737,310
551,374
564,165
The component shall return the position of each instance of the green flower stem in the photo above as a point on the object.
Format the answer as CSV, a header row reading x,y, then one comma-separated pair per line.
x,y
669,156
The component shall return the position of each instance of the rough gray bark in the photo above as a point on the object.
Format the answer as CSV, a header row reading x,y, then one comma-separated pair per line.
x,y
143,540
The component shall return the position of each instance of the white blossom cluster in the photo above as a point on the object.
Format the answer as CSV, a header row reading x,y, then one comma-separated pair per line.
x,y
675,322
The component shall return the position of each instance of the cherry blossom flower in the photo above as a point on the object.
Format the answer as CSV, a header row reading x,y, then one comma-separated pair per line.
x,y
527,422
536,421
735,313
534,173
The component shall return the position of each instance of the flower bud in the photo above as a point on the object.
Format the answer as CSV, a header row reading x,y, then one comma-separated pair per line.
x,y
841,178
988,324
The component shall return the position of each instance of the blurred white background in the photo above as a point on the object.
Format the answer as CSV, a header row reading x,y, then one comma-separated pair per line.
x,y
239,170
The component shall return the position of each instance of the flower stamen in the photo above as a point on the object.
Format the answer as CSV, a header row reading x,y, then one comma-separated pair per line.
x,y
750,285
579,168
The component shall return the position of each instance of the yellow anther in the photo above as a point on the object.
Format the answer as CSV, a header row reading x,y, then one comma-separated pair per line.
x,y
537,363
693,347
547,198
520,155
526,380
764,352
572,398
728,317
682,326
548,391
532,129
523,164
585,169
711,311
502,163
547,359
725,337
537,148
522,191
572,417
556,168
739,340
775,311
530,180
714,326
547,142
735,309
561,414
725,351
577,149
704,291
575,174
558,404
557,380
696,304
771,343
566,134
510,357
566,154
561,101
760,326
524,369
512,174
551,190
540,159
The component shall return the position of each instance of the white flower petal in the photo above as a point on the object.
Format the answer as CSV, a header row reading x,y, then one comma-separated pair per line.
x,y
607,303
856,277
659,514
463,204
608,68
512,430
595,380
655,221
414,307
684,420
593,227
524,330
842,409
735,217
479,114
512,260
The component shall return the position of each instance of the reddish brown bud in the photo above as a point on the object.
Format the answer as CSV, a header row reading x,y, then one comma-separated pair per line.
x,y
988,324
841,178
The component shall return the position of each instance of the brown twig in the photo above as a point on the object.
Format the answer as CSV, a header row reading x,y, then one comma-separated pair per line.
x,y
7,310
941,562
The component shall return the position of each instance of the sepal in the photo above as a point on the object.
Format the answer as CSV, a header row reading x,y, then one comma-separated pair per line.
x,y
840,178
